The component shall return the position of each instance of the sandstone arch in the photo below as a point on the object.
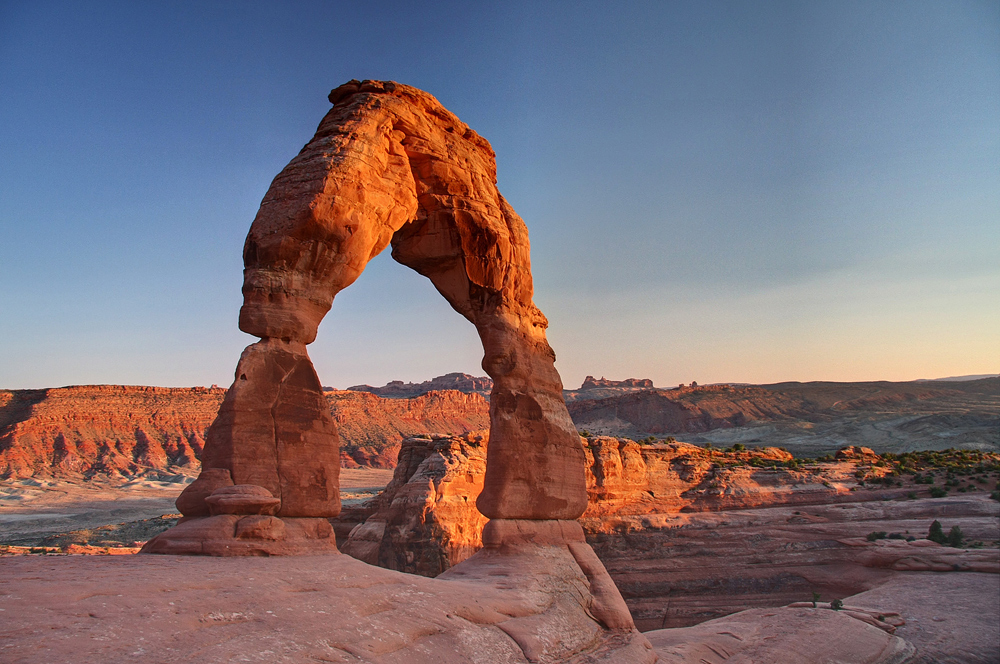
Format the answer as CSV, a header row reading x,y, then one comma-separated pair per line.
x,y
388,166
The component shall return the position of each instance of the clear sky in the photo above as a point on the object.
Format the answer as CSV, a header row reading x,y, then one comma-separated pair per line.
x,y
716,191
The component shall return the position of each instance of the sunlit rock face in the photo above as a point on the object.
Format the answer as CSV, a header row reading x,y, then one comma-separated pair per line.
x,y
388,165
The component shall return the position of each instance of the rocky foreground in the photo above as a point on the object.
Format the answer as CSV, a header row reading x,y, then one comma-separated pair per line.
x,y
88,609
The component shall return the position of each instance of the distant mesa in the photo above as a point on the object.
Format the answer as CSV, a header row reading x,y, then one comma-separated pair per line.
x,y
397,389
591,383
957,379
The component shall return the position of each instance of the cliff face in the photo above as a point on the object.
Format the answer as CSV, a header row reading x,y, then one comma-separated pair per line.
x,y
372,428
124,430
683,410
113,430
454,381
425,520
116,430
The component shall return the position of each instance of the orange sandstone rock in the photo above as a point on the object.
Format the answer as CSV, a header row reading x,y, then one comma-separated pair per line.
x,y
389,164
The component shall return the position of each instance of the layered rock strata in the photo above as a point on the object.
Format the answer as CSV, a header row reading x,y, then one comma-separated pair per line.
x,y
425,521
104,430
453,381
124,431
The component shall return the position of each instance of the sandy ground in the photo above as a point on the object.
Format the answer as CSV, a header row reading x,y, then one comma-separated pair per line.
x,y
32,509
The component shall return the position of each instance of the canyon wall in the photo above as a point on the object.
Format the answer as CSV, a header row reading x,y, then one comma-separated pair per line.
x,y
124,431
121,430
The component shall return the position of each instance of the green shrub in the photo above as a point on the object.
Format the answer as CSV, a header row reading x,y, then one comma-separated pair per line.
x,y
871,537
938,492
837,605
955,537
912,495
936,533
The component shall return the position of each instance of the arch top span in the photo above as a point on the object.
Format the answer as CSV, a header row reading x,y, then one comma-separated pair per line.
x,y
388,165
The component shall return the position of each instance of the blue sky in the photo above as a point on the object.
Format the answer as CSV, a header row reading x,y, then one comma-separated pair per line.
x,y
716,191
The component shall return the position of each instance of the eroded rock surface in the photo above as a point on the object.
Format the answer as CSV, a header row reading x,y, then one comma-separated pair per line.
x,y
104,430
689,535
425,520
121,431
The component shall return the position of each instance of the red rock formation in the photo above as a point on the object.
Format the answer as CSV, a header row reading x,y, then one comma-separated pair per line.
x,y
125,431
454,381
425,521
274,430
429,189
590,383
371,427
387,164
114,430
763,536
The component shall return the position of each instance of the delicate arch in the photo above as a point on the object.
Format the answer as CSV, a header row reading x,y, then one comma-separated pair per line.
x,y
390,165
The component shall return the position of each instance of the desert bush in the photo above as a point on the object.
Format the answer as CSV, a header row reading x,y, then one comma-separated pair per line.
x,y
936,533
837,604
871,537
938,492
955,537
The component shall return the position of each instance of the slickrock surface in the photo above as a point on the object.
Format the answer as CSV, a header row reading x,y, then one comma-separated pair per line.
x,y
91,609
120,431
950,618
166,609
787,635
462,382
678,570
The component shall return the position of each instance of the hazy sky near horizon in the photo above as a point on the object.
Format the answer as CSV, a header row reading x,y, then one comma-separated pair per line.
x,y
715,191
